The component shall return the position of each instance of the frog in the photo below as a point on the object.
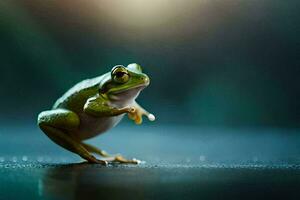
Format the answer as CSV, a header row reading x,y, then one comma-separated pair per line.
x,y
92,107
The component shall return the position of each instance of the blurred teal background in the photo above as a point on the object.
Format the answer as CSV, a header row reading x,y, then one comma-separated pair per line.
x,y
212,63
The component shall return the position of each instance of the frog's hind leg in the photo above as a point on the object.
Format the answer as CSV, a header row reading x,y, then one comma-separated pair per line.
x,y
57,124
109,158
95,150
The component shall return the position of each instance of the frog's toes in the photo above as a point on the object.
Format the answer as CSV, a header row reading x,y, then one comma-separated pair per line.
x,y
103,162
151,117
138,119
138,161
131,116
122,160
132,110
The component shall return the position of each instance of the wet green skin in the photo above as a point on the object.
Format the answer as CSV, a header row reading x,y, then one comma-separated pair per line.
x,y
92,107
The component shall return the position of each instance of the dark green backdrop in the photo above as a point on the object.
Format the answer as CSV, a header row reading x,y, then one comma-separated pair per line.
x,y
212,63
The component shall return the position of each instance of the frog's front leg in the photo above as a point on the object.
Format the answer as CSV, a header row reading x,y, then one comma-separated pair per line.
x,y
98,107
137,115
58,125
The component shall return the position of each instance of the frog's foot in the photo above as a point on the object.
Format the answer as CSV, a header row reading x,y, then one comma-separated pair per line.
x,y
93,149
108,157
137,115
120,159
56,124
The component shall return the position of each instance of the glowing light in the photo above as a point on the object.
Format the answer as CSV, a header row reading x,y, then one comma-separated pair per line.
x,y
145,13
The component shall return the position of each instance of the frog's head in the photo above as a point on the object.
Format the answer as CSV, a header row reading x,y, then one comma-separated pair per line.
x,y
124,83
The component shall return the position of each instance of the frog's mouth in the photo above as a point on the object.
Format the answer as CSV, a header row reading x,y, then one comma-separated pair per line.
x,y
144,83
126,90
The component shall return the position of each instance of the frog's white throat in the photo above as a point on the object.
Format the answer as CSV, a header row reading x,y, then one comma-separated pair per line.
x,y
126,97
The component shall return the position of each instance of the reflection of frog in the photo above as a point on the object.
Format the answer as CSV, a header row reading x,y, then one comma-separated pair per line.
x,y
81,181
92,107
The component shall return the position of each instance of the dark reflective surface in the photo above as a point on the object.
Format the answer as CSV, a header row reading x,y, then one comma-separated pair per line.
x,y
180,164
81,181
167,182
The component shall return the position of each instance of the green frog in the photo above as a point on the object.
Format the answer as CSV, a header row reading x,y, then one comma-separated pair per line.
x,y
93,106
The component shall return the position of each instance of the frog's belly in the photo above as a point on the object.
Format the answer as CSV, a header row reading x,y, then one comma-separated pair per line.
x,y
92,126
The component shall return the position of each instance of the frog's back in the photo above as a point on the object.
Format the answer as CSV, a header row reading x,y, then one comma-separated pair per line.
x,y
75,97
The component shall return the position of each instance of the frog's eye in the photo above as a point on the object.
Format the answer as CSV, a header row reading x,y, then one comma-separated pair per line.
x,y
119,74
